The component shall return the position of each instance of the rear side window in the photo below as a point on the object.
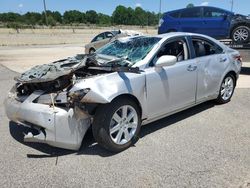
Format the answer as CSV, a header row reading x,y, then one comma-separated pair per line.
x,y
175,14
210,12
191,13
205,48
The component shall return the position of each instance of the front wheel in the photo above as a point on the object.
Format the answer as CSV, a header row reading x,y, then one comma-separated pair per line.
x,y
116,125
226,89
241,34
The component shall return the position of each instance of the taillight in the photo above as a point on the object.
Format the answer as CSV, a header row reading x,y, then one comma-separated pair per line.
x,y
238,58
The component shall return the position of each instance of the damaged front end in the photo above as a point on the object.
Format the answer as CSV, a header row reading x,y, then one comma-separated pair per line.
x,y
59,126
51,98
42,100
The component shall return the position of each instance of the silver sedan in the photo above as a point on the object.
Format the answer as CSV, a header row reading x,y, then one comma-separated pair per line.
x,y
125,84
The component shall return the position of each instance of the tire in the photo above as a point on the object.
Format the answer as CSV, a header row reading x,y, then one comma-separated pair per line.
x,y
241,35
91,51
110,118
226,89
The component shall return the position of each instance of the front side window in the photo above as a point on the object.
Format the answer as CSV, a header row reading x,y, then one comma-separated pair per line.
x,y
177,48
210,12
205,48
191,13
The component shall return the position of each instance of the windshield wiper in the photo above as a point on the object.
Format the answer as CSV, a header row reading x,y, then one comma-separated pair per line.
x,y
119,62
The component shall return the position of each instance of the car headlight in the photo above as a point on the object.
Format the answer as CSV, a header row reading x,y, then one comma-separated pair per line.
x,y
161,21
78,95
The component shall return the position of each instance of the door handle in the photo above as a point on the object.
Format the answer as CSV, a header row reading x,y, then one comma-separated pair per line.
x,y
191,68
222,60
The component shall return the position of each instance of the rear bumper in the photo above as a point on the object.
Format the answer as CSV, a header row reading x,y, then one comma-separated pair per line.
x,y
59,127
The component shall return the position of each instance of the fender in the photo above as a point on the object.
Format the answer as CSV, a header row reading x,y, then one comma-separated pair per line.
x,y
104,88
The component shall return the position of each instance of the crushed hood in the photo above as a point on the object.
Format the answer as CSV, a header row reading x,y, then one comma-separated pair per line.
x,y
52,71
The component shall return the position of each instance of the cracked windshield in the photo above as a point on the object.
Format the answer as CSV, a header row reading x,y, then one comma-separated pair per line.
x,y
130,50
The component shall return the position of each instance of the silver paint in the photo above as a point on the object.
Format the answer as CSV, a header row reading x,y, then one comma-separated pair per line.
x,y
160,91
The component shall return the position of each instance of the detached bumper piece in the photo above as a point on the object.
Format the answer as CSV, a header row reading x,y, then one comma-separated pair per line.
x,y
59,127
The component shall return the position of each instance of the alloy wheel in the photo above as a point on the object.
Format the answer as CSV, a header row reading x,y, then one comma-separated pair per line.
x,y
123,125
240,34
227,88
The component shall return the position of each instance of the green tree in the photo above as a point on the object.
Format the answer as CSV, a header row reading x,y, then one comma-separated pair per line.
x,y
10,17
140,16
120,15
51,20
104,19
57,16
32,18
91,17
190,5
130,16
73,16
152,18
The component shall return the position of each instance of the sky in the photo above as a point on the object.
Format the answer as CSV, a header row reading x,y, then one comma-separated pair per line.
x,y
108,6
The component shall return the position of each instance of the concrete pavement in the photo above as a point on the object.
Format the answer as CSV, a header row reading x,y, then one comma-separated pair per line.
x,y
205,146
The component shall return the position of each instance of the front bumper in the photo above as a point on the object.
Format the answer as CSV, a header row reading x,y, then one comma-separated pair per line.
x,y
59,127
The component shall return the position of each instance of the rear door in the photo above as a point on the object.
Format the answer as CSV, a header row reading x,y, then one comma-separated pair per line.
x,y
215,23
212,62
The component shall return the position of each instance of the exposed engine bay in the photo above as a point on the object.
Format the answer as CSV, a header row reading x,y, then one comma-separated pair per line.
x,y
62,74
46,99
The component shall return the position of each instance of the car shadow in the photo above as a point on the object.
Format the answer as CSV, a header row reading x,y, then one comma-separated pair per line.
x,y
172,119
89,146
245,71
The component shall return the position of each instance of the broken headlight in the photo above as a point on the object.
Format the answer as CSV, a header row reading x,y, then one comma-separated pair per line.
x,y
77,95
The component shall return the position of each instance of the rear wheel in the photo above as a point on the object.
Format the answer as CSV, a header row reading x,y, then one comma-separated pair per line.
x,y
241,34
116,125
226,89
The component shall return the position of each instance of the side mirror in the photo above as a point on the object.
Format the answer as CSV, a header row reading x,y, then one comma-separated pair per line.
x,y
166,60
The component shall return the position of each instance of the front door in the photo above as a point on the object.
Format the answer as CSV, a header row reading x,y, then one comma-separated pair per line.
x,y
172,87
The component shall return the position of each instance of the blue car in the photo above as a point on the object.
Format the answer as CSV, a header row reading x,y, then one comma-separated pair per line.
x,y
215,22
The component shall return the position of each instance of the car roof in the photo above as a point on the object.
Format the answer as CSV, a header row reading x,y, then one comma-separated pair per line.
x,y
178,34
166,36
181,34
198,7
170,35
